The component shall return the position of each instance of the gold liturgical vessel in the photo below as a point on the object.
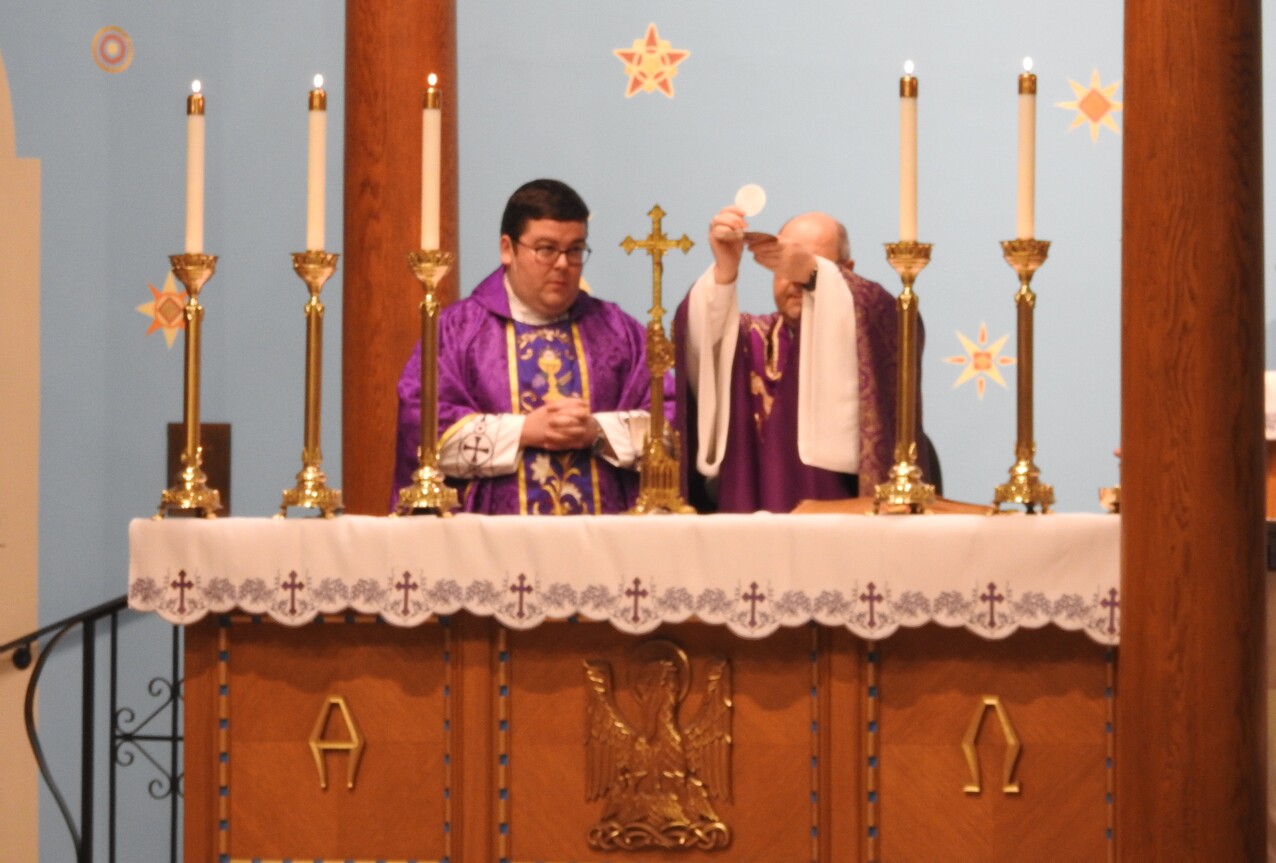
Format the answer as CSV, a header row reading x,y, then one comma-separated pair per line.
x,y
659,474
904,490
427,494
314,268
1025,486
191,493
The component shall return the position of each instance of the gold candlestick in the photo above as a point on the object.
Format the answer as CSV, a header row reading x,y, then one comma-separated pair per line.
x,y
311,491
660,472
190,493
904,490
1025,486
427,494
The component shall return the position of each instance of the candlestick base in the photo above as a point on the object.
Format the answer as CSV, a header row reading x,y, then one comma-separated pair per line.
x,y
904,492
311,492
427,494
190,493
1025,487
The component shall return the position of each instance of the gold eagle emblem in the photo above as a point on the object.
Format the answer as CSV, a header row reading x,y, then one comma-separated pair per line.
x,y
657,780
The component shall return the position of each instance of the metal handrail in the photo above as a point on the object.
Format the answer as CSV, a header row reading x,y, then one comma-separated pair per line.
x,y
125,729
21,647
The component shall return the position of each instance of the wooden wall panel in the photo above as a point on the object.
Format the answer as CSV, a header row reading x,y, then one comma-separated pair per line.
x,y
1190,735
277,681
391,45
931,683
774,683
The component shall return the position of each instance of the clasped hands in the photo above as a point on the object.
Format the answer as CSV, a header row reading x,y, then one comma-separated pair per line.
x,y
782,256
561,424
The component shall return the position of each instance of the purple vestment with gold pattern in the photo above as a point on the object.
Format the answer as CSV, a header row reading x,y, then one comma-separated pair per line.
x,y
491,364
760,467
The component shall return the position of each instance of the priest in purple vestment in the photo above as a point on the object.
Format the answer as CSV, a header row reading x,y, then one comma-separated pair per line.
x,y
792,405
543,389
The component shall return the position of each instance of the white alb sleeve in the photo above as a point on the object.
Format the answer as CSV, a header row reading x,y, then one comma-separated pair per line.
x,y
713,326
481,445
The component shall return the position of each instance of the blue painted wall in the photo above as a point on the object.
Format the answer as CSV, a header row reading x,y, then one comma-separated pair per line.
x,y
804,101
800,99
112,148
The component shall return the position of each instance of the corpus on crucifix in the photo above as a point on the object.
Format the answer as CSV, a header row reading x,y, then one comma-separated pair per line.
x,y
659,473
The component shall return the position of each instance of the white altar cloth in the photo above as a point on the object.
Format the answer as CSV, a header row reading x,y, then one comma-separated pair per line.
x,y
751,573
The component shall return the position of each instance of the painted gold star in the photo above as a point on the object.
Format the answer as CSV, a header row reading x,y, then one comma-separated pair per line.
x,y
1094,105
651,64
167,310
981,361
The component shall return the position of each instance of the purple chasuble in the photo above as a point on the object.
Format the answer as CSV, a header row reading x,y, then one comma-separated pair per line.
x,y
760,469
488,364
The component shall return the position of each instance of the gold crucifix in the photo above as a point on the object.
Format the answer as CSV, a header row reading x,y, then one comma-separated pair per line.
x,y
659,474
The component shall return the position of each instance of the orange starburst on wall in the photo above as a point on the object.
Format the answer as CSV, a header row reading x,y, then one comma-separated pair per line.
x,y
981,361
1094,105
167,310
651,64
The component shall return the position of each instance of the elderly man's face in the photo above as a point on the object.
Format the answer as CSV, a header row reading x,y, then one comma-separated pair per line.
x,y
550,286
817,233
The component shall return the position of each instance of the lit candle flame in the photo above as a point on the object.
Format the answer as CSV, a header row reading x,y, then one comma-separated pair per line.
x,y
432,80
196,86
318,82
1027,64
908,67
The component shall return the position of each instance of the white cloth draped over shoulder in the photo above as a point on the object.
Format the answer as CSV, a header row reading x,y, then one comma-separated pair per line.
x,y
828,370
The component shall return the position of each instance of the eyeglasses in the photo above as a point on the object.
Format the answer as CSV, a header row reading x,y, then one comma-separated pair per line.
x,y
548,255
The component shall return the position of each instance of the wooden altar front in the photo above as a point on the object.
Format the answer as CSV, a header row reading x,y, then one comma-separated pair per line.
x,y
847,716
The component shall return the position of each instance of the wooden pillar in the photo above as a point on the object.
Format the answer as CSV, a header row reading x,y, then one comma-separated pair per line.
x,y
391,46
1190,697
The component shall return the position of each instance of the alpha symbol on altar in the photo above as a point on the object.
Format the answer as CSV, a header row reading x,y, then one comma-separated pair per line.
x,y
658,779
352,744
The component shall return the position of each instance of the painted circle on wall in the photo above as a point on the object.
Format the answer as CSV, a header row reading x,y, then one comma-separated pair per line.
x,y
112,49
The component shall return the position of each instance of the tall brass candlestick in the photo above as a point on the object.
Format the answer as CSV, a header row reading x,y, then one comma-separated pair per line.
x,y
1025,486
191,493
311,491
904,490
427,494
659,474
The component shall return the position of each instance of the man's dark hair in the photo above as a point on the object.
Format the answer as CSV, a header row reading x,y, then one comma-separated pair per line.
x,y
541,199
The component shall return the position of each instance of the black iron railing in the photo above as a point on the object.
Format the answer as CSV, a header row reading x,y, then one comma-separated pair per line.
x,y
155,736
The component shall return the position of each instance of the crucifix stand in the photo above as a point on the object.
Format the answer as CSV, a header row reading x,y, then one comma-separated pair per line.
x,y
659,474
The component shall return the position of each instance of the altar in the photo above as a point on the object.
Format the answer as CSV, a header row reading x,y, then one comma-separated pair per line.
x,y
817,687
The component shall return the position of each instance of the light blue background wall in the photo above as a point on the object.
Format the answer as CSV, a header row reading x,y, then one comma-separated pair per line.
x,y
803,99
112,148
800,98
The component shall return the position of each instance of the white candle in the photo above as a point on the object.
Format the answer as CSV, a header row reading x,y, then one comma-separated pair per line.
x,y
1024,221
195,171
908,155
316,164
431,159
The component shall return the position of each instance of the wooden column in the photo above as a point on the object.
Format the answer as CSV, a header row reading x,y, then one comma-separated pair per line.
x,y
1190,730
391,46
